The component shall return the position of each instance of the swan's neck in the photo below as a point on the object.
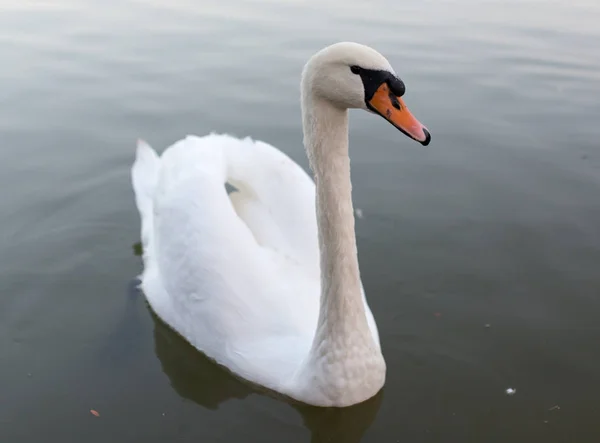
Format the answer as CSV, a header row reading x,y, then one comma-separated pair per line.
x,y
344,356
342,310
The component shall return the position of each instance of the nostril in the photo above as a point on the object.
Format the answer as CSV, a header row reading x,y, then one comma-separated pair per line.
x,y
394,101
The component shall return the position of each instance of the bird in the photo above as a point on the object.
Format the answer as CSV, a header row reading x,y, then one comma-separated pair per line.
x,y
265,280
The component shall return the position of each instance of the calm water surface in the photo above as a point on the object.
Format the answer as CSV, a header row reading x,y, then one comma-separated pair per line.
x,y
479,253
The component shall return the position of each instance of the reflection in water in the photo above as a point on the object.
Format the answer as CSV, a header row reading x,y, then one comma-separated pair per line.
x,y
200,380
193,375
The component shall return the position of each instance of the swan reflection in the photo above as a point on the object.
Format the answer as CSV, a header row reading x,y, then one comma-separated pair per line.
x,y
196,378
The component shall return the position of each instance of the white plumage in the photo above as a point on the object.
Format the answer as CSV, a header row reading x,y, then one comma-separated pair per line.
x,y
239,275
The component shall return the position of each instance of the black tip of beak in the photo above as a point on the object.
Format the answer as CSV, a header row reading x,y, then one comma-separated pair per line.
x,y
427,137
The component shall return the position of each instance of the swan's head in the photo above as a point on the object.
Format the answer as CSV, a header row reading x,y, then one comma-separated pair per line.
x,y
351,75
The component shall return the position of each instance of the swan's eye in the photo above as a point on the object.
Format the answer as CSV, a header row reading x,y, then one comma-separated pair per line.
x,y
355,69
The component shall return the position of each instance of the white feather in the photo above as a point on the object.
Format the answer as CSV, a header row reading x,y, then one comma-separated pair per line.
x,y
239,275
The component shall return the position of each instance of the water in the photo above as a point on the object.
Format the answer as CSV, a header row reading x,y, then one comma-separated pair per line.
x,y
479,253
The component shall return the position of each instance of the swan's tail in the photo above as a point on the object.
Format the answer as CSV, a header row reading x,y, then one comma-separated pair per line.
x,y
144,177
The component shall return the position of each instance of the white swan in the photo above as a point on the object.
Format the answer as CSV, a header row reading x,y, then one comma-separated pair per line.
x,y
239,275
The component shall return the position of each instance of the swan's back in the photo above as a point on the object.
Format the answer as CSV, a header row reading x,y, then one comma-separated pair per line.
x,y
236,275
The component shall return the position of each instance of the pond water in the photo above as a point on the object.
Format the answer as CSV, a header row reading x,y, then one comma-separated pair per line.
x,y
479,254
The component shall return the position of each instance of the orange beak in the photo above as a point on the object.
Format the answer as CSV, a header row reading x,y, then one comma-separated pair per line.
x,y
393,109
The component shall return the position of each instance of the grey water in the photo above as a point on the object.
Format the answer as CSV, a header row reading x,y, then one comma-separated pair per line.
x,y
479,253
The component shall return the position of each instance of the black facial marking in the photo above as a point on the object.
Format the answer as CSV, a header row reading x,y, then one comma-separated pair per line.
x,y
373,79
397,86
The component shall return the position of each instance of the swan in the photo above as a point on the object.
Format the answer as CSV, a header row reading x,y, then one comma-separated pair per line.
x,y
265,280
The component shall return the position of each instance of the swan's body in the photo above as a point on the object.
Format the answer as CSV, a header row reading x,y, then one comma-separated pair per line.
x,y
239,276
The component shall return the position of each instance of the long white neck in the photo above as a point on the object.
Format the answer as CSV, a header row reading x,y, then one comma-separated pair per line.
x,y
326,138
345,364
